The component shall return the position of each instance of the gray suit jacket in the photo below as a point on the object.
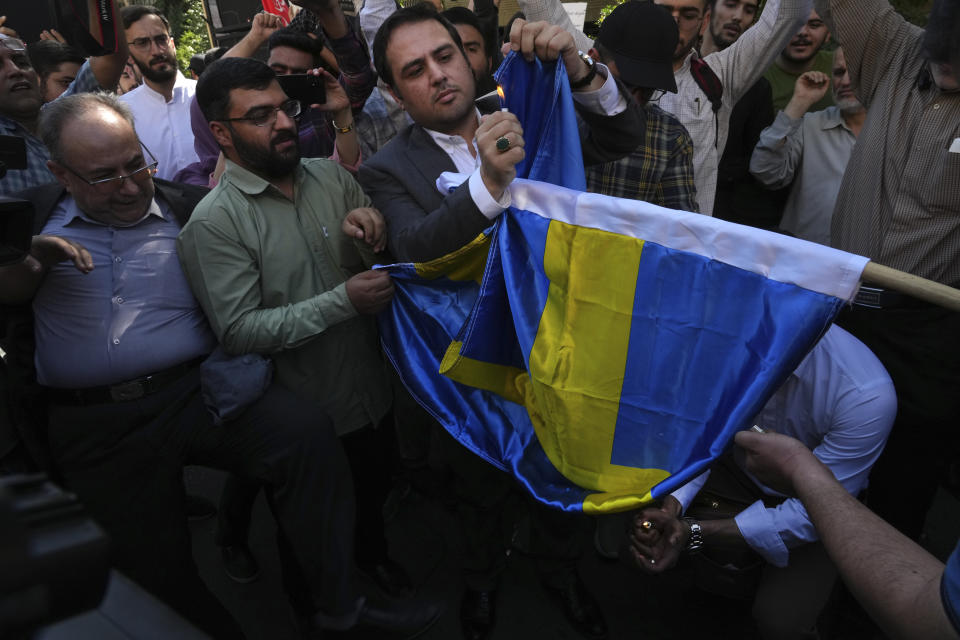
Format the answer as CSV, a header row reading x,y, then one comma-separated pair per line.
x,y
423,224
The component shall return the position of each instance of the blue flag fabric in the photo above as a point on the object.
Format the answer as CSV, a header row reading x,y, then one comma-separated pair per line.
x,y
604,351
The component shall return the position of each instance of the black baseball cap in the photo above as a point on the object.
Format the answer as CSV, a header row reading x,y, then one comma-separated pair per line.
x,y
642,37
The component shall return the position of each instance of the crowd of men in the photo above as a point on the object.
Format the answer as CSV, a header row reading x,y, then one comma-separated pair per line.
x,y
199,290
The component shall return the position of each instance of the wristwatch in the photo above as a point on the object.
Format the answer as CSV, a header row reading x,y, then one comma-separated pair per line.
x,y
591,72
695,541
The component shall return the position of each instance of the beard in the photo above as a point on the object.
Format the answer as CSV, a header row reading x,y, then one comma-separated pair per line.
x,y
269,161
720,40
158,75
848,105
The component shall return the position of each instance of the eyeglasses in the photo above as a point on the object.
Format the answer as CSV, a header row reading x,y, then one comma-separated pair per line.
x,y
107,185
647,95
144,43
268,115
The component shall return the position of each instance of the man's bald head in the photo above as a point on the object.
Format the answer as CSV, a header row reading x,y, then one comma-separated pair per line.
x,y
96,155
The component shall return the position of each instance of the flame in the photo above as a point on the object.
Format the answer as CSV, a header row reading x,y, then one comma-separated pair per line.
x,y
500,91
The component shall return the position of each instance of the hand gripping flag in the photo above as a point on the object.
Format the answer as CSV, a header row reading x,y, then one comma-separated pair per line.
x,y
604,351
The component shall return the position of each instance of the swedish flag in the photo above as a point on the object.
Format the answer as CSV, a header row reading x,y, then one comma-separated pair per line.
x,y
604,351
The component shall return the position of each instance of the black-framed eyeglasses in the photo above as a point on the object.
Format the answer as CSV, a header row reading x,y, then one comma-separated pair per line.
x,y
144,43
265,116
106,185
647,95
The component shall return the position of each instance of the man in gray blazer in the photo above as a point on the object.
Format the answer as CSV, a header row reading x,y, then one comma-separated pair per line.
x,y
437,90
420,56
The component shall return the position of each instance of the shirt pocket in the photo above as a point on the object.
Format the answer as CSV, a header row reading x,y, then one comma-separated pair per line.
x,y
942,186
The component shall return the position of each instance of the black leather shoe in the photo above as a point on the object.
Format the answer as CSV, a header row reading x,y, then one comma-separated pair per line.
x,y
477,613
580,608
239,563
407,618
198,508
390,578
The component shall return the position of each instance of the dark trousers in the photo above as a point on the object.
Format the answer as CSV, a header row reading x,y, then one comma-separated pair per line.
x,y
482,492
125,461
920,348
370,453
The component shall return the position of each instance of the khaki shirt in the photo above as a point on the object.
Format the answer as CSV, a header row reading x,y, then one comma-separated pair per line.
x,y
899,203
270,273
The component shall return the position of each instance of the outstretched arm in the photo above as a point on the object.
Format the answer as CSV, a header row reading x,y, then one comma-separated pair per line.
x,y
894,579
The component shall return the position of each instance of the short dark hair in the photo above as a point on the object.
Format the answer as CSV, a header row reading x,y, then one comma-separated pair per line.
x,y
224,75
941,37
410,15
47,55
298,40
196,63
462,15
57,114
212,55
131,14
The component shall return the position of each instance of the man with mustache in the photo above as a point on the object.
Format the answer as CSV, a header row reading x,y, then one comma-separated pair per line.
x,y
421,57
21,100
728,20
803,53
118,342
161,105
810,149
276,255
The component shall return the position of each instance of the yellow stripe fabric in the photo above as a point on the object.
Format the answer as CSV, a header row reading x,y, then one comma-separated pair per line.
x,y
466,263
593,277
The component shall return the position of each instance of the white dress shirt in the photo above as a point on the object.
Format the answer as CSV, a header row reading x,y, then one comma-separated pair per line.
x,y
164,127
840,402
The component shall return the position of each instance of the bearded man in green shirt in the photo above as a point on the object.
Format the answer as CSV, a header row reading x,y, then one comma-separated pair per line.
x,y
277,255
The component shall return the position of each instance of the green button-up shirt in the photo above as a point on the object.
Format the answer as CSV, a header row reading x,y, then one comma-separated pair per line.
x,y
270,273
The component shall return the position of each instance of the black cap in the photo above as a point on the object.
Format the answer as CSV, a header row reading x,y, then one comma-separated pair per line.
x,y
642,37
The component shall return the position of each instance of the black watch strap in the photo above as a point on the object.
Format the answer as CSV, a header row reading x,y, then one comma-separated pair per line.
x,y
591,72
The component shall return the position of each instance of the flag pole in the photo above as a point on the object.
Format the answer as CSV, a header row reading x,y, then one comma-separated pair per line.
x,y
911,285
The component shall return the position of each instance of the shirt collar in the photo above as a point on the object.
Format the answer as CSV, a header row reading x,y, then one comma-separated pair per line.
x,y
72,212
444,140
180,83
832,118
249,182
13,127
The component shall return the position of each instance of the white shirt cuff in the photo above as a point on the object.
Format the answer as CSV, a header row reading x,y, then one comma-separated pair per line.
x,y
758,528
607,99
489,207
685,494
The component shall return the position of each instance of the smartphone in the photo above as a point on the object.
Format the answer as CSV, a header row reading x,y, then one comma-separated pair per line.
x,y
16,230
13,153
306,88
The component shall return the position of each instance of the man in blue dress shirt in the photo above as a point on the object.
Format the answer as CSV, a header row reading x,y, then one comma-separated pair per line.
x,y
119,340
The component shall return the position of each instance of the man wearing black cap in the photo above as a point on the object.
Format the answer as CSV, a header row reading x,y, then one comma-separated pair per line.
x,y
637,42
